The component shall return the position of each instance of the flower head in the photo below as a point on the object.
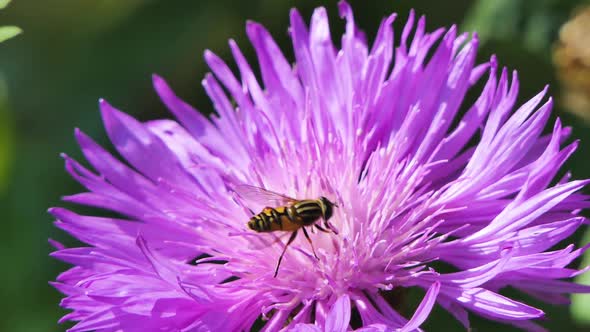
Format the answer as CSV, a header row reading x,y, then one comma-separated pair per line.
x,y
378,130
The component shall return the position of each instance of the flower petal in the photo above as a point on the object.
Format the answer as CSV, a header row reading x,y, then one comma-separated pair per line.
x,y
339,315
423,309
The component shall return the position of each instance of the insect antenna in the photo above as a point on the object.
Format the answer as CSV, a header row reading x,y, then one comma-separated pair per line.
x,y
283,253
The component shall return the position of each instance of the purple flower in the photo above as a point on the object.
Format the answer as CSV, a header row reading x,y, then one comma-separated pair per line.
x,y
378,130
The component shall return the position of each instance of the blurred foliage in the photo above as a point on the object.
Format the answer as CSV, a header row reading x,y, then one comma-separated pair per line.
x,y
6,137
7,32
6,126
4,3
531,24
571,57
77,51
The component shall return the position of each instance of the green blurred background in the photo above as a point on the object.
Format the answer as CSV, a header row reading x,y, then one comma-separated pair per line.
x,y
72,52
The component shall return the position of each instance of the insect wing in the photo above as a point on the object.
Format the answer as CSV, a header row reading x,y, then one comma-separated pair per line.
x,y
260,196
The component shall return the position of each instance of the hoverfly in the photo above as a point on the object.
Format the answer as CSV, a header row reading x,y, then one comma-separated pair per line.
x,y
287,214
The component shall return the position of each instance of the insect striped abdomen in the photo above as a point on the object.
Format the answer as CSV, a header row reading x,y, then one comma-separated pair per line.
x,y
287,218
275,219
259,223
283,220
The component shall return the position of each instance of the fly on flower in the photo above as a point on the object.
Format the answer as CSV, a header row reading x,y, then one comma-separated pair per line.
x,y
429,178
288,214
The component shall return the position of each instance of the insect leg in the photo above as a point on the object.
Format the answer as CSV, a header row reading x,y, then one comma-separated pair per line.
x,y
309,240
283,253
330,227
321,228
